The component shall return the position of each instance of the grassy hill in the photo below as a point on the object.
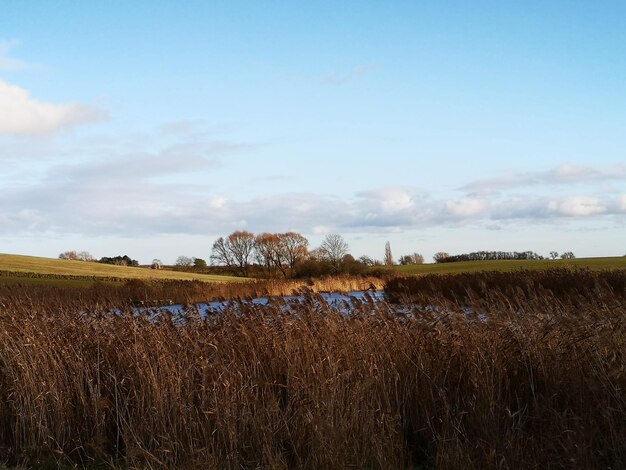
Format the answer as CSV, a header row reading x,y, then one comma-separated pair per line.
x,y
18,264
510,265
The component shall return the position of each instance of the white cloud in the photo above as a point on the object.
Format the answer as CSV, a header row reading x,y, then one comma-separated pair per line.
x,y
467,207
571,172
578,206
22,114
156,186
107,205
390,199
217,202
321,230
564,174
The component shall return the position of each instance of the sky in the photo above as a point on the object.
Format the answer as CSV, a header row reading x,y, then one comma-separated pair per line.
x,y
150,128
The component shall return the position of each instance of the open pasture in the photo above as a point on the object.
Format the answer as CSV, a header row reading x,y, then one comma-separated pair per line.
x,y
615,262
31,266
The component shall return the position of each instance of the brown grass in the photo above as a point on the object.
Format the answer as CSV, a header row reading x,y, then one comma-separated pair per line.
x,y
154,292
540,384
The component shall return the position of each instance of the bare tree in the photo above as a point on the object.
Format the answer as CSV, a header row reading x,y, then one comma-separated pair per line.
x,y
268,251
554,254
220,254
235,251
280,251
388,255
184,261
568,255
317,254
440,256
156,264
294,247
77,255
241,246
366,260
411,259
334,248
72,255
85,256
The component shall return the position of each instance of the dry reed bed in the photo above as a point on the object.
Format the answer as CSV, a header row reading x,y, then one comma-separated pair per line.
x,y
569,285
157,292
195,291
539,384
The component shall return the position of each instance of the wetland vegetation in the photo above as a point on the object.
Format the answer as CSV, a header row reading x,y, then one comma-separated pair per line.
x,y
537,380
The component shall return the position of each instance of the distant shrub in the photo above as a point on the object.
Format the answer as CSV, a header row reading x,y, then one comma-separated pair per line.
x,y
71,255
412,259
76,256
124,260
314,267
184,261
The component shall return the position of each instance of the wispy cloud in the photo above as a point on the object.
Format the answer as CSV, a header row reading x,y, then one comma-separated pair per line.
x,y
22,114
6,61
466,207
116,189
579,206
137,186
564,174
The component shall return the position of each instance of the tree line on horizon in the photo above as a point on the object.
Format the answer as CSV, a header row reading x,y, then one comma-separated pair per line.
x,y
443,257
287,255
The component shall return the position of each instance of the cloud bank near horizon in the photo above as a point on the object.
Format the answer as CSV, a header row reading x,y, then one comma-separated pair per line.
x,y
93,197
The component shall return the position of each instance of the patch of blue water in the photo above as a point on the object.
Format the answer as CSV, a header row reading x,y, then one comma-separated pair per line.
x,y
340,302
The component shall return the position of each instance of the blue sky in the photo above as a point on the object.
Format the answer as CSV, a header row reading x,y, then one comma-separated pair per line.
x,y
151,128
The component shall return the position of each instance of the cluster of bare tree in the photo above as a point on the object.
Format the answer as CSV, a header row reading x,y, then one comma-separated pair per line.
x,y
187,263
124,260
273,252
77,256
281,254
414,258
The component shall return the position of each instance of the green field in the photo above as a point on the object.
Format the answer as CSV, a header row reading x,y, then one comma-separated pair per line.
x,y
510,265
16,264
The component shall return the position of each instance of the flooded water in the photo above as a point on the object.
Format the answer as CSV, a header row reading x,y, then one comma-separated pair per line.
x,y
336,301
370,302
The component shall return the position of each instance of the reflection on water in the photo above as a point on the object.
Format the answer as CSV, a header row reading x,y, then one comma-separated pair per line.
x,y
337,301
369,302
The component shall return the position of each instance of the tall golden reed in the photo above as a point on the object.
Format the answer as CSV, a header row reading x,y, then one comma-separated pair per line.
x,y
536,380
